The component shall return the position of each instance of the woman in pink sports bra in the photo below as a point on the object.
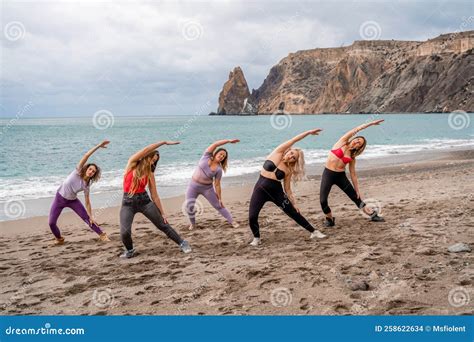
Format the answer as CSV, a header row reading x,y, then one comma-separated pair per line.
x,y
344,152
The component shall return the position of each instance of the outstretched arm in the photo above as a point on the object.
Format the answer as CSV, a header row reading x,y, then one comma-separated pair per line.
x,y
355,181
218,189
218,143
143,152
278,152
89,208
89,153
155,197
343,140
289,191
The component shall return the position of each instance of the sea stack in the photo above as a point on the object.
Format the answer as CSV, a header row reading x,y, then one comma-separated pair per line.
x,y
235,95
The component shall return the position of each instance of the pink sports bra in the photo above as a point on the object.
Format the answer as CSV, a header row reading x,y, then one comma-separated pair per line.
x,y
340,154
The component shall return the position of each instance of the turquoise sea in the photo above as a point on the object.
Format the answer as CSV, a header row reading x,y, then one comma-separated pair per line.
x,y
37,154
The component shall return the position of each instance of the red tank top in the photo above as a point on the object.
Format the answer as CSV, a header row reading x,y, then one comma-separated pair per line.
x,y
127,183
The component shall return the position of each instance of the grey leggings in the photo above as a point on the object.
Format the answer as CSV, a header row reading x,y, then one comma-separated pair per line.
x,y
141,203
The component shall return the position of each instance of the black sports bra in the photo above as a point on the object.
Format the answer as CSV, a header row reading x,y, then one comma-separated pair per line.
x,y
270,167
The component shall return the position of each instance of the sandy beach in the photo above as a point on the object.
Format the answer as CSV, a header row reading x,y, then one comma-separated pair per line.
x,y
402,266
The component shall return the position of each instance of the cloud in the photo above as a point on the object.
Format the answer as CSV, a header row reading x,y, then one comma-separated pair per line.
x,y
171,57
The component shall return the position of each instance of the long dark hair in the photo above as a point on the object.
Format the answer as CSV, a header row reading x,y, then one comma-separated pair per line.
x,y
95,177
153,166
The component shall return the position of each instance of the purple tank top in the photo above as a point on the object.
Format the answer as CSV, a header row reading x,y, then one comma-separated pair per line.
x,y
72,185
203,173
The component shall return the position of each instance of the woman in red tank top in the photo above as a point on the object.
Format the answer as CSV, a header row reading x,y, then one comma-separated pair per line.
x,y
139,174
344,152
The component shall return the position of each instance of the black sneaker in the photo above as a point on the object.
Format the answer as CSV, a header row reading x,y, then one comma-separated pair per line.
x,y
376,218
330,222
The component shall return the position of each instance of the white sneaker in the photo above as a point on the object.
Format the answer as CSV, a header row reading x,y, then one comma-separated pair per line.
x,y
255,242
317,234
235,225
185,247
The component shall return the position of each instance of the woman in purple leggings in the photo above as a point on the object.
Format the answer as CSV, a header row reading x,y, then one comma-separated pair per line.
x,y
66,197
206,181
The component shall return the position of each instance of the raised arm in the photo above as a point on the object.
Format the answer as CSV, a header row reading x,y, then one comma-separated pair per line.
x,y
86,156
343,140
156,198
277,152
218,143
145,151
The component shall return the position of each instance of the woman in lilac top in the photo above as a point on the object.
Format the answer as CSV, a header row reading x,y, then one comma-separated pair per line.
x,y
206,181
66,197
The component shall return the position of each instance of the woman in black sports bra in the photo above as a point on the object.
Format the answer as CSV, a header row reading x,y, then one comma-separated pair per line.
x,y
284,163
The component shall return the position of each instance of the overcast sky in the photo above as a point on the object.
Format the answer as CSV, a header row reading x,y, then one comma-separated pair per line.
x,y
64,58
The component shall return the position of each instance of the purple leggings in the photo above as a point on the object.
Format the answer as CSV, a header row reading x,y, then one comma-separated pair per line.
x,y
207,190
59,204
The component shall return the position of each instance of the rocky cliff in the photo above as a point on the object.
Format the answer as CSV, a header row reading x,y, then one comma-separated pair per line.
x,y
366,77
234,94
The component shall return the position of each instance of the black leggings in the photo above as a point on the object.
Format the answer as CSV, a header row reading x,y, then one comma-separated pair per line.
x,y
271,190
141,203
330,178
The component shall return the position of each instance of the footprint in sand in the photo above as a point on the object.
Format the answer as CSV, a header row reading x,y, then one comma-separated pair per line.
x,y
304,304
341,309
272,281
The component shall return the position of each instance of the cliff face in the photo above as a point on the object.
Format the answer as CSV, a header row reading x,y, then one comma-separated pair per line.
x,y
371,76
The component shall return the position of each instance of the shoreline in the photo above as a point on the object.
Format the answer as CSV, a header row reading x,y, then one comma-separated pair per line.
x,y
399,267
39,207
245,182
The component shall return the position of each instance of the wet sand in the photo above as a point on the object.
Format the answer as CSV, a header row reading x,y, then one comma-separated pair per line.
x,y
401,266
